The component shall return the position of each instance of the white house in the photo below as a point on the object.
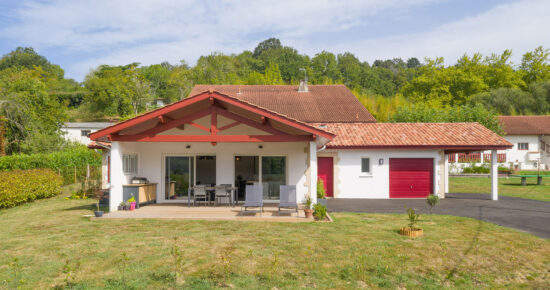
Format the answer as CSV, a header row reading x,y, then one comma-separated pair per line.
x,y
78,132
530,136
275,135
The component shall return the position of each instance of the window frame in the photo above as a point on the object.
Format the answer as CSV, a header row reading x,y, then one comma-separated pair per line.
x,y
136,166
88,132
365,173
521,143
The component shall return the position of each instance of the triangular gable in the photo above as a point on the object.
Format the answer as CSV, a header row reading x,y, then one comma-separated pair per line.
x,y
159,122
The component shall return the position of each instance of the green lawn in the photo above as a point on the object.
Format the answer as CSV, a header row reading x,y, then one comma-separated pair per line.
x,y
506,186
357,250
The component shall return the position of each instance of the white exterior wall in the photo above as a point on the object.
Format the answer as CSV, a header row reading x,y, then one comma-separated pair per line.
x,y
75,134
522,158
352,183
151,161
545,153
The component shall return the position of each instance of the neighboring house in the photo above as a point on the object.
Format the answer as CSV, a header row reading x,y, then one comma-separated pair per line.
x,y
78,132
530,136
274,135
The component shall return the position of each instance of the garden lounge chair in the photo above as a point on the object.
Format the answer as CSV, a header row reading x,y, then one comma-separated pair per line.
x,y
253,198
221,192
288,198
199,192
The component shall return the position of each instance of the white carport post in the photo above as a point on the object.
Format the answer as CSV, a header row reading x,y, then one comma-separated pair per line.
x,y
446,173
313,171
494,175
117,177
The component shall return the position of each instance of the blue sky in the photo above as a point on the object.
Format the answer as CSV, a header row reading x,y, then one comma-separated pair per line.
x,y
80,35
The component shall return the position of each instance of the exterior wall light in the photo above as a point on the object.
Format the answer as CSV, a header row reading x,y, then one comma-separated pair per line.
x,y
381,161
260,146
188,146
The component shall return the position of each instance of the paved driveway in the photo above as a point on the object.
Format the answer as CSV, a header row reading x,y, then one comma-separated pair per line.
x,y
531,216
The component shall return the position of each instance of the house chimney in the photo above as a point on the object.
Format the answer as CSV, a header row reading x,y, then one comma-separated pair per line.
x,y
303,83
303,87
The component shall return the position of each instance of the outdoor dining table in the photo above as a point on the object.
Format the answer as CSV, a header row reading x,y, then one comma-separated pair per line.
x,y
210,189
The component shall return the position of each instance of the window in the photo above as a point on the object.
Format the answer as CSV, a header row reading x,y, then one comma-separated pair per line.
x,y
523,146
365,165
130,163
85,133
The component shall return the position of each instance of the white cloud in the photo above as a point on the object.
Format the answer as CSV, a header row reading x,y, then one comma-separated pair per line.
x,y
520,26
121,32
151,31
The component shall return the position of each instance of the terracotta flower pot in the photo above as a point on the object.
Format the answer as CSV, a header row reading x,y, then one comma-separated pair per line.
x,y
309,213
411,232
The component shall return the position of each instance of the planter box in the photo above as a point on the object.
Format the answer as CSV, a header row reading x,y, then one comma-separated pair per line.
x,y
411,232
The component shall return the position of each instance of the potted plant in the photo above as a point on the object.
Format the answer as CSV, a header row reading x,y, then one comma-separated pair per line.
x,y
132,202
321,193
121,206
432,201
307,210
98,193
411,230
125,205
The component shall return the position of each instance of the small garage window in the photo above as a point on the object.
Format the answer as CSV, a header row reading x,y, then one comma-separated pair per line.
x,y
365,165
130,163
85,133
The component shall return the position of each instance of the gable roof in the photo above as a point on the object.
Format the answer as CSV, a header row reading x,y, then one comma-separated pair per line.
x,y
525,125
204,98
322,103
465,136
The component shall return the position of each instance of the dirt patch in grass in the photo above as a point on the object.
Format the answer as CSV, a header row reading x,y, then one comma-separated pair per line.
x,y
356,250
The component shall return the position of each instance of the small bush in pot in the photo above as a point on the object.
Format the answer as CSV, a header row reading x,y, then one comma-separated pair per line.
x,y
99,194
411,230
307,210
132,202
319,212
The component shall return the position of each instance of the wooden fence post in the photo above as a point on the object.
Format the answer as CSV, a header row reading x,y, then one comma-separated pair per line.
x,y
75,181
87,172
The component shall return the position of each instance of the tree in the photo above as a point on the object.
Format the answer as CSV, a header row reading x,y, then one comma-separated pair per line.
x,y
117,90
350,68
271,44
181,82
466,113
325,68
33,117
413,63
508,101
26,57
535,65
273,75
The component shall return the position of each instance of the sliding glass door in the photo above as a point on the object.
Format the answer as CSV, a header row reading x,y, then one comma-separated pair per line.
x,y
178,177
273,176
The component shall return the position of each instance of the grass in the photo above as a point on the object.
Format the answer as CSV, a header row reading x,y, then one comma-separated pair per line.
x,y
506,186
57,246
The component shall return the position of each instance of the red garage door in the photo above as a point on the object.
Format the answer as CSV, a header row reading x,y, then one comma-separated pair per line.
x,y
411,177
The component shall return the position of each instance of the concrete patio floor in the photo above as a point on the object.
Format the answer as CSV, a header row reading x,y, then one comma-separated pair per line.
x,y
178,211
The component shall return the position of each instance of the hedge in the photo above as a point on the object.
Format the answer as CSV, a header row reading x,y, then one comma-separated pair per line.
x,y
20,186
66,163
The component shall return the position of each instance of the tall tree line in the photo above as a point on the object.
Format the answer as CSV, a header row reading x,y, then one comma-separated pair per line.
x,y
36,98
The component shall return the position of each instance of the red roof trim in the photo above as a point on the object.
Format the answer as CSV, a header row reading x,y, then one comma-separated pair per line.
x,y
444,147
210,95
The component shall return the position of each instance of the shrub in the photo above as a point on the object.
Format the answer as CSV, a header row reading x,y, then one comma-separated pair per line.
x,y
413,217
477,169
320,189
20,186
319,211
68,162
432,201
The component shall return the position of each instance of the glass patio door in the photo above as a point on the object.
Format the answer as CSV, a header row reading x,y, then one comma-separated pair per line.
x,y
178,177
273,176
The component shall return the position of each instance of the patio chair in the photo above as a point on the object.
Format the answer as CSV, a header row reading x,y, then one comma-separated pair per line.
x,y
288,198
221,192
253,198
199,192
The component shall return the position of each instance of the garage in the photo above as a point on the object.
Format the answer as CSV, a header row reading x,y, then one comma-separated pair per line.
x,y
411,177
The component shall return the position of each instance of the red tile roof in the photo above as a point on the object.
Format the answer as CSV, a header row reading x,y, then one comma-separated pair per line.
x,y
417,135
525,125
323,103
